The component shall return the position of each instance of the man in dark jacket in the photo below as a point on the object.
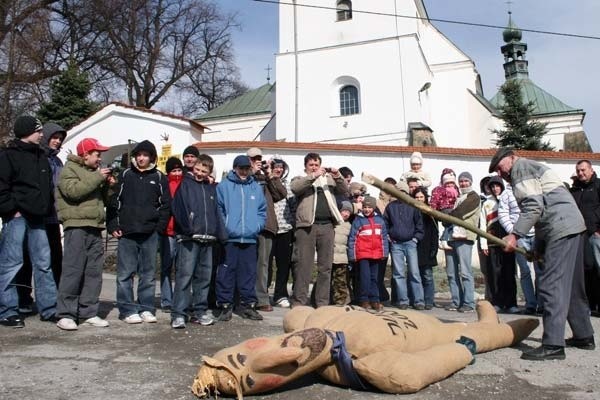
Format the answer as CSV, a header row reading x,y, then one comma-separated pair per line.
x,y
138,211
54,136
586,191
25,200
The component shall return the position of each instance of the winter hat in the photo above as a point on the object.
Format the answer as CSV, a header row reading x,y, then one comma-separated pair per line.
x,y
448,178
346,205
173,163
402,186
241,161
416,158
370,202
147,146
25,125
465,175
193,150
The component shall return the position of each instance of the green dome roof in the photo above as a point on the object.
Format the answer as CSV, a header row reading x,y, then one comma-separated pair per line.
x,y
511,33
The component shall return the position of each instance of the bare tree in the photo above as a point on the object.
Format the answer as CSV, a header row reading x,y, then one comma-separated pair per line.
x,y
150,45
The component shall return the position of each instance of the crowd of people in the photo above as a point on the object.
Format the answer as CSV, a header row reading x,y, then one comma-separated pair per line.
x,y
226,242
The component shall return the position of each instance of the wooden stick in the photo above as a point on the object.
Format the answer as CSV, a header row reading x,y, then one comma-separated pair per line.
x,y
405,198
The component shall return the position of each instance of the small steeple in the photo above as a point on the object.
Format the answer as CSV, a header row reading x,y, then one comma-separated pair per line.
x,y
515,64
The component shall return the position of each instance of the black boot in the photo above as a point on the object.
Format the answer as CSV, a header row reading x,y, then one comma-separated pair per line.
x,y
545,352
581,343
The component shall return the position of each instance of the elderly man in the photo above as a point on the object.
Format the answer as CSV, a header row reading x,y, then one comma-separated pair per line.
x,y
559,226
586,191
316,216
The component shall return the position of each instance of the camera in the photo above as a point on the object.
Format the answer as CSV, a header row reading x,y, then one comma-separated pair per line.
x,y
328,169
264,164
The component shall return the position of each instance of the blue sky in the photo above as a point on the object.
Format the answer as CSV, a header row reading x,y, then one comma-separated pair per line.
x,y
565,67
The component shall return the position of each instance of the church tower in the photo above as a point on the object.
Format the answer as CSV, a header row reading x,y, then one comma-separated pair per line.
x,y
515,64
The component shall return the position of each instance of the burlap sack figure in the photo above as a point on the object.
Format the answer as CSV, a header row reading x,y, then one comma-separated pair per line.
x,y
393,351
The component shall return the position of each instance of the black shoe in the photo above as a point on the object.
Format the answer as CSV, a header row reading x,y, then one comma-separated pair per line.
x,y
545,352
226,313
402,306
14,321
587,343
529,311
53,318
250,312
419,307
465,309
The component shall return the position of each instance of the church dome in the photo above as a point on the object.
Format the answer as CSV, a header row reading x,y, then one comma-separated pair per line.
x,y
511,33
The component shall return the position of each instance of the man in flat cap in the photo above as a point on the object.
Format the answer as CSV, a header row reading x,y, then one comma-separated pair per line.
x,y
559,226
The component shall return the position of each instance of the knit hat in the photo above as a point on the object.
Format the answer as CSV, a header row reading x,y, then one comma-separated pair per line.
x,y
173,163
416,158
193,150
448,178
465,175
241,161
369,202
148,147
25,125
403,186
346,205
254,152
500,154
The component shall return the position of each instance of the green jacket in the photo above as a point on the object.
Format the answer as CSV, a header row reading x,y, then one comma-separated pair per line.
x,y
81,195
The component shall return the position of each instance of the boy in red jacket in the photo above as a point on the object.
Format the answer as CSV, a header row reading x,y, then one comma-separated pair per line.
x,y
368,246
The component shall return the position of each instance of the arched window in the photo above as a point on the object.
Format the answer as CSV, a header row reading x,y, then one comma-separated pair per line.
x,y
344,10
349,103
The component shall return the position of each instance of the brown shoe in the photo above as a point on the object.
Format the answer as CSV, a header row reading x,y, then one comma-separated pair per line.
x,y
265,308
377,306
365,304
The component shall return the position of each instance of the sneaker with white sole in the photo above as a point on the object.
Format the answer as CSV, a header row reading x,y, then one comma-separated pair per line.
x,y
133,319
147,316
283,303
178,323
97,322
67,324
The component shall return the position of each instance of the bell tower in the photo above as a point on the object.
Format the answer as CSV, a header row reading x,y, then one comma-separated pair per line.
x,y
515,64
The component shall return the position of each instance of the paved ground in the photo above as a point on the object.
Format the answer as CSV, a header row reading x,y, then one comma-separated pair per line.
x,y
153,361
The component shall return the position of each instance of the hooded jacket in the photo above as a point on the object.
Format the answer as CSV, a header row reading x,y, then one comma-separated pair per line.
x,y
25,181
81,195
141,203
242,206
56,164
489,218
195,209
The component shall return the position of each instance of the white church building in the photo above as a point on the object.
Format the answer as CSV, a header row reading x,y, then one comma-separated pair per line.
x,y
386,77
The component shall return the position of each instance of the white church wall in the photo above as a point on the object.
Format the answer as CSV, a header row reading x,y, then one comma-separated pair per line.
x,y
240,128
481,124
438,49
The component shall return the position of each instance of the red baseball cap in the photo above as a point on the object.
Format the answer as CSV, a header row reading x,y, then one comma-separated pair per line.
x,y
89,144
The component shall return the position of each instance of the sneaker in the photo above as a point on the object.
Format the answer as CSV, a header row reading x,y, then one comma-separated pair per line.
x,y
283,303
249,312
67,324
51,318
178,323
429,306
14,321
226,313
26,309
148,317
419,307
451,307
133,319
96,321
402,306
204,320
466,309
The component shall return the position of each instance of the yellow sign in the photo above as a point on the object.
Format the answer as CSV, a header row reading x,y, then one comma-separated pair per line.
x,y
166,150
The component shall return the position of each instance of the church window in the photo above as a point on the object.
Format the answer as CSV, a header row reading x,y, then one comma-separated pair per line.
x,y
349,100
344,10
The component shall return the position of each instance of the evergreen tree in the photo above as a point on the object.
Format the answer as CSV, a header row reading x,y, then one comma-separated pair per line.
x,y
69,103
520,131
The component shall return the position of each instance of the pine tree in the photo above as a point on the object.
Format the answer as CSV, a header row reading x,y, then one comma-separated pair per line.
x,y
69,103
520,132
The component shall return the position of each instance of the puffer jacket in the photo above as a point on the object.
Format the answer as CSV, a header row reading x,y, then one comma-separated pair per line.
x,y
340,243
368,238
25,181
403,222
243,208
81,195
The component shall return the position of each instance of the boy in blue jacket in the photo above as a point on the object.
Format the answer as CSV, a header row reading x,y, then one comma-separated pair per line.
x,y
243,207
198,226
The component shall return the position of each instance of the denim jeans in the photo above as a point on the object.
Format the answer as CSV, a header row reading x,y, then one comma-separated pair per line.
x,y
368,290
136,255
404,255
592,253
13,234
193,272
460,273
168,254
526,242
428,284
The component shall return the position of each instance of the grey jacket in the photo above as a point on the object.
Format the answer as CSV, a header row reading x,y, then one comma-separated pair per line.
x,y
544,202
